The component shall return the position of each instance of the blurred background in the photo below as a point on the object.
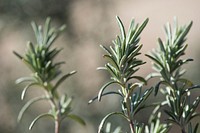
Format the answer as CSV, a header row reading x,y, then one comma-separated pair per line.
x,y
89,24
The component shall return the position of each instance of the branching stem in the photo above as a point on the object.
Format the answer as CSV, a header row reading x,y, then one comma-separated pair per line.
x,y
55,108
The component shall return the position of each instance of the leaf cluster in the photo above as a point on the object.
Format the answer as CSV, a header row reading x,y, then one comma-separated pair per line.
x,y
40,59
167,58
167,62
122,64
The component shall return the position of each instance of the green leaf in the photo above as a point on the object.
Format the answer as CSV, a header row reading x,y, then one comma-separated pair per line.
x,y
65,104
18,55
162,47
138,32
156,61
140,103
131,31
139,128
106,117
122,30
105,86
194,115
181,51
133,87
193,87
112,71
35,29
26,88
130,72
134,53
172,121
158,86
111,61
77,119
191,114
46,30
31,47
138,78
152,75
183,34
173,117
63,78
196,128
104,94
24,79
107,50
169,33
114,54
52,54
39,117
51,39
28,104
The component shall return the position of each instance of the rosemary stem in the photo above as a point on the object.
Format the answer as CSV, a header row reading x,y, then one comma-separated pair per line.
x,y
57,125
131,126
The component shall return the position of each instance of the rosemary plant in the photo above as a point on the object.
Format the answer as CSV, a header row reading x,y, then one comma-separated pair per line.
x,y
40,59
122,65
167,62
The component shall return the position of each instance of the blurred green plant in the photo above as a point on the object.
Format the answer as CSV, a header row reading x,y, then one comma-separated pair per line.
x,y
40,59
176,89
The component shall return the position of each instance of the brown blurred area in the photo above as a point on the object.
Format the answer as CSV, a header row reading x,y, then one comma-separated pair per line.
x,y
89,24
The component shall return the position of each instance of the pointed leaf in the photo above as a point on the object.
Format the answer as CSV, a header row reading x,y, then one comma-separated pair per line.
x,y
39,117
183,34
139,78
28,104
111,61
104,94
106,117
196,128
77,119
46,30
158,86
141,28
35,29
18,55
24,79
121,26
112,71
152,75
106,49
155,60
63,78
26,88
162,47
104,87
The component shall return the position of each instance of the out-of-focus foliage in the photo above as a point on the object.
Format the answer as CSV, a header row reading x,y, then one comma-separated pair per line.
x,y
168,62
40,59
26,9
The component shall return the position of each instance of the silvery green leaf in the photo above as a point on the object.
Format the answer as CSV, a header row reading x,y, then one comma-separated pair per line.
x,y
76,118
39,117
28,104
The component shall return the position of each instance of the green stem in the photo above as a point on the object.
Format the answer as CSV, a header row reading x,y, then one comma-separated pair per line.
x,y
54,107
131,126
